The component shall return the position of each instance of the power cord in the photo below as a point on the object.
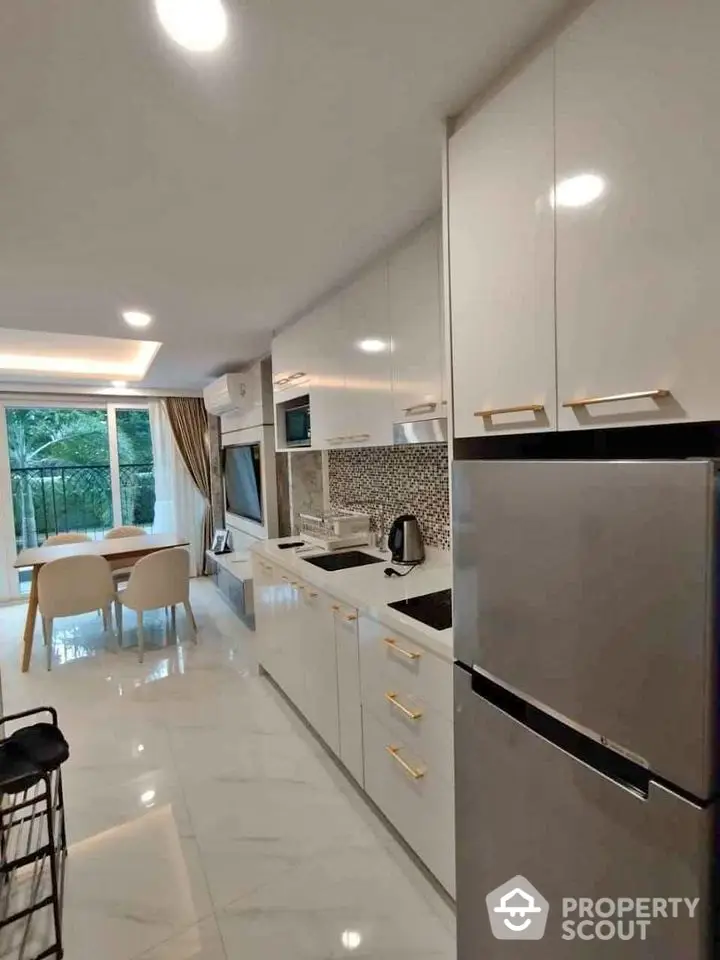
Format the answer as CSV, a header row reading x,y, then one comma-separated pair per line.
x,y
392,572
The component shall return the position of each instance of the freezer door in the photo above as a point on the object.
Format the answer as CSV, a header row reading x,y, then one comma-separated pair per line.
x,y
588,587
525,807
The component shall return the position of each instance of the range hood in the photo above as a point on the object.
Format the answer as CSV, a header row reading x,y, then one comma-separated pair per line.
x,y
421,431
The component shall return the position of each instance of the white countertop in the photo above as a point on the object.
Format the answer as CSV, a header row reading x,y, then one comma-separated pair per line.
x,y
369,590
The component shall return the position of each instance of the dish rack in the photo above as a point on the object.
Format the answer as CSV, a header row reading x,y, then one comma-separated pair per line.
x,y
336,530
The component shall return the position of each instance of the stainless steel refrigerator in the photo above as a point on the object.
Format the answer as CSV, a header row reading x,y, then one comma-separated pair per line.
x,y
586,713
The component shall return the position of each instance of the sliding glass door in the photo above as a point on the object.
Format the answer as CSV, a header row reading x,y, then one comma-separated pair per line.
x,y
78,469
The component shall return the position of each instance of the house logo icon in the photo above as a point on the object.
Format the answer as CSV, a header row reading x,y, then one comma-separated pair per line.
x,y
517,911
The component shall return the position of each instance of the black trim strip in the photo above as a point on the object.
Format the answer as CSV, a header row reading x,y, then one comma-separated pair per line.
x,y
658,442
603,759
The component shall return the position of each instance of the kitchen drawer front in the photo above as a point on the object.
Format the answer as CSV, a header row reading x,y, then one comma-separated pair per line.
x,y
427,734
391,662
422,809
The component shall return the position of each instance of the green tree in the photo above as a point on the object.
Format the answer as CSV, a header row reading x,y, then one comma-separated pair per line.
x,y
56,436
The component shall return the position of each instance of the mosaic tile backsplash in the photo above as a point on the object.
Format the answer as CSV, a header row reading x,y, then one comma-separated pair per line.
x,y
388,481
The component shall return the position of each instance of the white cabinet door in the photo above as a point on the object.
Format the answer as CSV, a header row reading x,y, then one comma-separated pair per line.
x,y
350,710
501,174
365,409
263,599
288,359
327,386
315,628
289,654
638,207
415,306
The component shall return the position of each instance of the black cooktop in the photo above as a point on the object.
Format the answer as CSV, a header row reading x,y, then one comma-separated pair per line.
x,y
432,609
343,560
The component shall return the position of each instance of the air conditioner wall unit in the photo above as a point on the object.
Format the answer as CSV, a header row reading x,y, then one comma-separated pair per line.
x,y
247,396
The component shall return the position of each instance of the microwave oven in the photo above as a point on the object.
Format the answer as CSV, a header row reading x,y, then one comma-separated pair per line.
x,y
297,426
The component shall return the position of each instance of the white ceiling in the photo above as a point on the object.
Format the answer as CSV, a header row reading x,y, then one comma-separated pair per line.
x,y
223,192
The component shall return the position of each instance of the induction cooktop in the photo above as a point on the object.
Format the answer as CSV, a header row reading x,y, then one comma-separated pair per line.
x,y
432,609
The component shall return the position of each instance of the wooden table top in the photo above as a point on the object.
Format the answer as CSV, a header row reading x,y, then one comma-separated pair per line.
x,y
114,548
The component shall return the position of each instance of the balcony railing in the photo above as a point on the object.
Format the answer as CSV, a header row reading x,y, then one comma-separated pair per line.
x,y
54,499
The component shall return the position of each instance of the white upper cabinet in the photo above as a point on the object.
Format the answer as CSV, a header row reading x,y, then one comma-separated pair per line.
x,y
323,332
364,361
415,304
290,358
501,174
638,208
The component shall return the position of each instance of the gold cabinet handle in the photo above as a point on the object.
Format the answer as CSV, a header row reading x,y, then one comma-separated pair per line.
x,y
526,408
406,711
410,770
358,437
617,397
293,583
281,382
336,439
393,644
312,594
421,408
296,376
348,617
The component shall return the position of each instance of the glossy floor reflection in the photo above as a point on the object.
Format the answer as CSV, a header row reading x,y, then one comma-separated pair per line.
x,y
205,822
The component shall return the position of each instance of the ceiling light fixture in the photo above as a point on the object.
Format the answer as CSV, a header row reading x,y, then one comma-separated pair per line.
x,y
373,346
351,939
137,318
119,384
197,25
578,191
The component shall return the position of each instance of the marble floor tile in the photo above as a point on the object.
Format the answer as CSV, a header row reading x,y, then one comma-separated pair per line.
x,y
200,942
205,821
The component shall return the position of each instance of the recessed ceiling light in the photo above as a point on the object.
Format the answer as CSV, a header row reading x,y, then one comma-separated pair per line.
x,y
119,384
351,939
197,25
373,346
578,191
137,318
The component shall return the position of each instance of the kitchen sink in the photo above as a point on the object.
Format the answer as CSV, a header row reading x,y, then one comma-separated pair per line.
x,y
342,561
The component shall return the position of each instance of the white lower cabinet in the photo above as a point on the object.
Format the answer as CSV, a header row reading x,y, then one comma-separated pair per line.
x,y
414,797
348,675
316,629
381,702
408,742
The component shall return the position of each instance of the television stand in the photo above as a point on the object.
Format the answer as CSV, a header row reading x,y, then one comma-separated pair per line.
x,y
232,574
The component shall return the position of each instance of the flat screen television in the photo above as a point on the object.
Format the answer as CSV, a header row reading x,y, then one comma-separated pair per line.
x,y
243,485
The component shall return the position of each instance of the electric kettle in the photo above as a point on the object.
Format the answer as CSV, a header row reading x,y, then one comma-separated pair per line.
x,y
405,541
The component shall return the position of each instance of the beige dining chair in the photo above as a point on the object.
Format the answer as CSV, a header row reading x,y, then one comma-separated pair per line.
x,y
70,586
127,531
57,539
121,569
161,579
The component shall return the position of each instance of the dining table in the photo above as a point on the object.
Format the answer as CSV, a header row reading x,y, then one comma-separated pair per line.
x,y
126,549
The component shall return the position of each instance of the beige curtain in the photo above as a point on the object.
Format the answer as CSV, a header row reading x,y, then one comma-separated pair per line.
x,y
189,422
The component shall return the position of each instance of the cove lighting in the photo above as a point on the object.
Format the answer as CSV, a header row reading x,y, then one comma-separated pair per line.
x,y
119,384
579,191
137,318
197,25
